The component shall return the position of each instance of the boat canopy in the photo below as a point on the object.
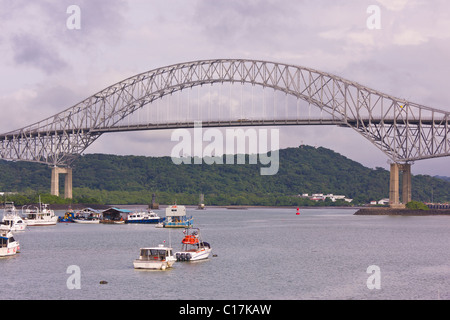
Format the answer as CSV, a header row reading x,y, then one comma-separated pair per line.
x,y
115,213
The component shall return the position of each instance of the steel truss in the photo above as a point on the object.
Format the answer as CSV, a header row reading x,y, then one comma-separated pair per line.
x,y
403,130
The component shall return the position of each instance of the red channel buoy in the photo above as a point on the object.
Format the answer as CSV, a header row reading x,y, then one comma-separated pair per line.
x,y
298,211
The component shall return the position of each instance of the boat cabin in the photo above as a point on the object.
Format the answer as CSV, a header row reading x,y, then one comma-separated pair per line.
x,y
176,217
88,213
160,253
5,240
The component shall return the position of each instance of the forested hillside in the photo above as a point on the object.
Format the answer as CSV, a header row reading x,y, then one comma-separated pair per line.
x,y
114,179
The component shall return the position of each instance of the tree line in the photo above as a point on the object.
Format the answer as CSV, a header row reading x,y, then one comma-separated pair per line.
x,y
112,179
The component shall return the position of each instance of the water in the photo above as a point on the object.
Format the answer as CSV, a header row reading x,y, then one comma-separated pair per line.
x,y
264,254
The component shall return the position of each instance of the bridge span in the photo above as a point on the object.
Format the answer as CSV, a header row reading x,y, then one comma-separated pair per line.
x,y
403,130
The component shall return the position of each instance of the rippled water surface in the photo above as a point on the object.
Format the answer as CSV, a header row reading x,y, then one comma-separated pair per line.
x,y
260,254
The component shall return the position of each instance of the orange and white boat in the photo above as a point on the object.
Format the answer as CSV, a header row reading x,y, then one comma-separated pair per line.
x,y
193,247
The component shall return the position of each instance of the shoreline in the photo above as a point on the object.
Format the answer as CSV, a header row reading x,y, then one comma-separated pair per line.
x,y
79,206
401,212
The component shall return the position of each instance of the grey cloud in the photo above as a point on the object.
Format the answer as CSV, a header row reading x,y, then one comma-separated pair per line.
x,y
29,51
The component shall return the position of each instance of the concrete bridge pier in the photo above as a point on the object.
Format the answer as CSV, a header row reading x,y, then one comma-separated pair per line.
x,y
394,188
54,190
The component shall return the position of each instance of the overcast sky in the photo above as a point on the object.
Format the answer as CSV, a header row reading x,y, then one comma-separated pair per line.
x,y
46,67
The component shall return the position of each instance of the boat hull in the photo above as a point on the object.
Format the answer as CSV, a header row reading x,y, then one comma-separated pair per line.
x,y
5,252
86,221
192,255
144,221
35,223
153,265
112,221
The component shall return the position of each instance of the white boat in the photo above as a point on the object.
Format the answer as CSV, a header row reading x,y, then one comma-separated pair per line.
x,y
42,216
193,248
8,245
155,258
87,216
11,219
143,217
88,220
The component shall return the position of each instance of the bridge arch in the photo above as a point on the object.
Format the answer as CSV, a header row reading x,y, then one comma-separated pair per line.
x,y
403,130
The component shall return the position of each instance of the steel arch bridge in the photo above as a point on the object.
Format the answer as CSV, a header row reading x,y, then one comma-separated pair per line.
x,y
403,130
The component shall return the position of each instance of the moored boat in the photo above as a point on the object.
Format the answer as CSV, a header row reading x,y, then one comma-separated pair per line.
x,y
68,217
8,245
193,247
11,220
155,258
143,217
87,216
176,217
42,216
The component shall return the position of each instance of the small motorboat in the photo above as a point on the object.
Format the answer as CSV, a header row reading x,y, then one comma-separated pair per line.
x,y
193,248
155,258
8,245
87,216
11,220
87,220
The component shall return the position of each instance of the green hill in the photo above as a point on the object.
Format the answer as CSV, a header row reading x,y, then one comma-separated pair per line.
x,y
115,179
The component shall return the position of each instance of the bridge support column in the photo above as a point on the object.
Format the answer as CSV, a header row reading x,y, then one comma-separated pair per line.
x,y
394,189
394,194
406,188
54,190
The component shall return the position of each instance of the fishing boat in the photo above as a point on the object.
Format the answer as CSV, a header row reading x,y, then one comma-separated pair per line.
x,y
176,217
11,219
87,216
8,245
143,217
42,216
193,248
155,258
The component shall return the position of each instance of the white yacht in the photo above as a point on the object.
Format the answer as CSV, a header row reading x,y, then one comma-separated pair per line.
x,y
193,248
155,258
11,219
8,245
42,216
